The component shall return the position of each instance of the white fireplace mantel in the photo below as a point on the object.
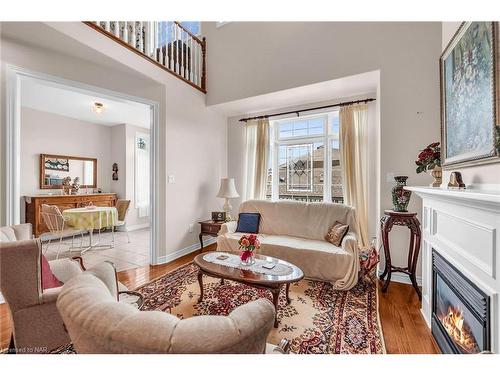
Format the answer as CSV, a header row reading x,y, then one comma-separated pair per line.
x,y
464,227
474,196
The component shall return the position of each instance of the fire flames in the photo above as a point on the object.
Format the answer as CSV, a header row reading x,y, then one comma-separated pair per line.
x,y
459,331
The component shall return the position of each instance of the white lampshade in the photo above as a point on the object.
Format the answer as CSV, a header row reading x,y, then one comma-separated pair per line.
x,y
227,188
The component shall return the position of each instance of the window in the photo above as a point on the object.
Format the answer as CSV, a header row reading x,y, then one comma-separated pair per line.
x,y
165,34
142,182
300,149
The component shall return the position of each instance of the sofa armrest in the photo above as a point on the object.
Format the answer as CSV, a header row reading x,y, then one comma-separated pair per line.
x,y
106,272
228,227
245,330
23,231
65,269
350,242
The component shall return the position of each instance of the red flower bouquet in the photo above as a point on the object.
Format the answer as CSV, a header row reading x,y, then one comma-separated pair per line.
x,y
429,158
248,244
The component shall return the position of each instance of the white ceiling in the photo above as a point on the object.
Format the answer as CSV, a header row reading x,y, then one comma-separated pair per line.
x,y
65,101
365,83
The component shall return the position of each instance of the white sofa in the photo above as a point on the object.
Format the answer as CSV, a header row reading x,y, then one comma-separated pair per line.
x,y
295,232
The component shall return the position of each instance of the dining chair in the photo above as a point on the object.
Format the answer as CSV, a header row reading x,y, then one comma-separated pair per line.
x,y
58,227
122,206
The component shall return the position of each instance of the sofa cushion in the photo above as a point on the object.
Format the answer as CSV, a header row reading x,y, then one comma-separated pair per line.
x,y
337,233
248,222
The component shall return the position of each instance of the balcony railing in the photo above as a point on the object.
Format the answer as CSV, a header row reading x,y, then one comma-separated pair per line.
x,y
167,44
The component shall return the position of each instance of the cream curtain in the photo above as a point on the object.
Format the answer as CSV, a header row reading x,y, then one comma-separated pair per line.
x,y
257,156
354,163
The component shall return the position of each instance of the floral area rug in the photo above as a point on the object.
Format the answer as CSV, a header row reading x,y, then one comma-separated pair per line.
x,y
318,320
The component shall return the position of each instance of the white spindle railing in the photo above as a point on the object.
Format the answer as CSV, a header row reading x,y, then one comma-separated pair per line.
x,y
173,46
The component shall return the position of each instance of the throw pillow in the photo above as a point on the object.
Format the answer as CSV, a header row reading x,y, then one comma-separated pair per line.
x,y
336,233
49,280
248,223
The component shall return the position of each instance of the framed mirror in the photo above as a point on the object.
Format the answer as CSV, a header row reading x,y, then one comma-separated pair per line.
x,y
54,168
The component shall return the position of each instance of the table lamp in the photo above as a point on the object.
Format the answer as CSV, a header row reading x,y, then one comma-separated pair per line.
x,y
227,191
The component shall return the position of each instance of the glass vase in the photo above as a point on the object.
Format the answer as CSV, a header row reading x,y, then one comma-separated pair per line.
x,y
247,260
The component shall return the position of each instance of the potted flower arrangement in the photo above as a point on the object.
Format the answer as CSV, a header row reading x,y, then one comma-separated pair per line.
x,y
429,160
248,244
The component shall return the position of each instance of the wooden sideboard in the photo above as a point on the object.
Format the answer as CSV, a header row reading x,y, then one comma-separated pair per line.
x,y
34,204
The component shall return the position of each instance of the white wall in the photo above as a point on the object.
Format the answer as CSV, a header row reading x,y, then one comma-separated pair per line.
x,y
119,156
48,133
197,158
253,58
95,72
193,136
123,153
483,176
194,143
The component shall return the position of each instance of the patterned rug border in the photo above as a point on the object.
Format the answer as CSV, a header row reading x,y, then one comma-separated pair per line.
x,y
377,291
379,321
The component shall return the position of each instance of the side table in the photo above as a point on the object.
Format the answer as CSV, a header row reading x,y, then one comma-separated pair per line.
x,y
408,219
209,228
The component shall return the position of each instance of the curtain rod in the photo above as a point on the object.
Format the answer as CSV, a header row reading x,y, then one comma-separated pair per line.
x,y
343,104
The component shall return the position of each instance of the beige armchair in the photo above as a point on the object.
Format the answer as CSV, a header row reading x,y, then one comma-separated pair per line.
x,y
98,324
38,327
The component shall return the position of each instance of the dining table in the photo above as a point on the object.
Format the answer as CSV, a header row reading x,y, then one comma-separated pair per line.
x,y
92,218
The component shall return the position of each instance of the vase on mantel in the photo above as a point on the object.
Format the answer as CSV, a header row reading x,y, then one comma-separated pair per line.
x,y
400,196
437,174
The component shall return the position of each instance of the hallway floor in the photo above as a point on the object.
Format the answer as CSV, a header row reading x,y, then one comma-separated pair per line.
x,y
124,255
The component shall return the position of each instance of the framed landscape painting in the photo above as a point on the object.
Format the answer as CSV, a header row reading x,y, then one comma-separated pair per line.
x,y
468,96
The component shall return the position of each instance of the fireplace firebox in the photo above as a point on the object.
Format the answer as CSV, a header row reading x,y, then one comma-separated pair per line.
x,y
460,310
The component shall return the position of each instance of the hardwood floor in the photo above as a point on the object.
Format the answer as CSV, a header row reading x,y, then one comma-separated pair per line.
x,y
404,328
405,331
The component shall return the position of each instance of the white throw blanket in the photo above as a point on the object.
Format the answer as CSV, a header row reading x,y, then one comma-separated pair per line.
x,y
234,261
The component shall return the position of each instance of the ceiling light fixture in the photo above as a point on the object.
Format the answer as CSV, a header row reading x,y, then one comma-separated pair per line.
x,y
98,108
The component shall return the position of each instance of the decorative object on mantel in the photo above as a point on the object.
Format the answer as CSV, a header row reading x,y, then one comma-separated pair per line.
x,y
75,186
115,172
400,196
468,80
248,244
456,181
429,160
408,219
227,191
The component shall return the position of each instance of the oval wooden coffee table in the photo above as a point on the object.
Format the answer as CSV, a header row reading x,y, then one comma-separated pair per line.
x,y
273,283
